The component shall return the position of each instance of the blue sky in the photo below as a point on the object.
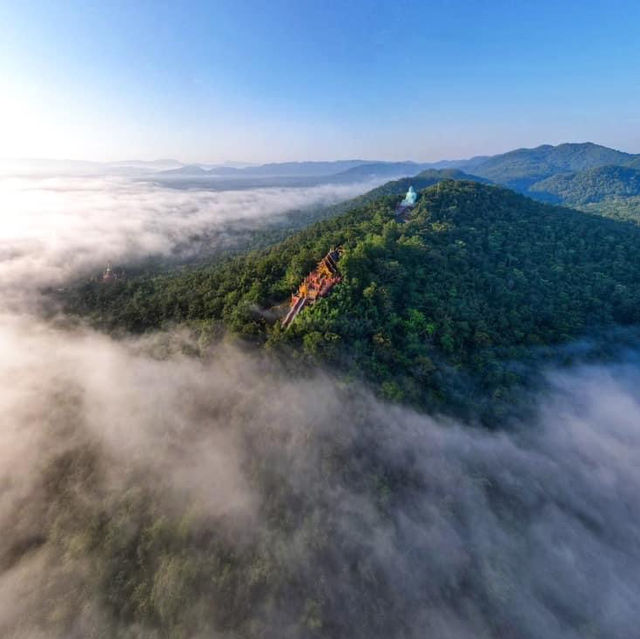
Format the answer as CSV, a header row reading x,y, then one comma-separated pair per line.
x,y
306,79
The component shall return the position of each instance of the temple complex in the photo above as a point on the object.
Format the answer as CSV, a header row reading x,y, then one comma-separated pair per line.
x,y
317,284
108,275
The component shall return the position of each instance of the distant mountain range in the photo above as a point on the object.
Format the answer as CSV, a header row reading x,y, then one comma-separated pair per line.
x,y
525,170
346,171
340,170
22,166
518,169
584,175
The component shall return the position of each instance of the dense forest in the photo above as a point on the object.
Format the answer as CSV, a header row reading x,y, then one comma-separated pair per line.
x,y
430,312
250,502
592,185
612,191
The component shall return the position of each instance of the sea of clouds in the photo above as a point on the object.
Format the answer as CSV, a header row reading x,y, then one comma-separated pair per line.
x,y
532,532
56,228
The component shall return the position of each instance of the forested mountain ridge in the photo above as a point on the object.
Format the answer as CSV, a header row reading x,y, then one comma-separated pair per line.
x,y
422,180
478,273
515,168
521,168
612,191
592,185
564,174
587,176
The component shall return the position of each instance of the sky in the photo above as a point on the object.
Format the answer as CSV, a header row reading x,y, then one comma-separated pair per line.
x,y
242,80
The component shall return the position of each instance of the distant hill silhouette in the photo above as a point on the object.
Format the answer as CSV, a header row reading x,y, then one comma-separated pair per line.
x,y
521,168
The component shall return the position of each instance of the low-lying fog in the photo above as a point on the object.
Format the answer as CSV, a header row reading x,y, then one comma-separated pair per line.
x,y
56,228
531,533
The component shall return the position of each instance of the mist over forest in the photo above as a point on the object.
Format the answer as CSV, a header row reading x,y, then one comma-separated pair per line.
x,y
205,497
63,226
319,320
155,485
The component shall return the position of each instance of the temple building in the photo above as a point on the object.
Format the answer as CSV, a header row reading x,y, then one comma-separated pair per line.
x,y
316,285
108,275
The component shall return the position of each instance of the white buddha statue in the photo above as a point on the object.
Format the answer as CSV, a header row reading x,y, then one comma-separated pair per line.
x,y
410,198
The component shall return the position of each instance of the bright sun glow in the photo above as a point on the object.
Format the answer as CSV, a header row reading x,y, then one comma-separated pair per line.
x,y
33,125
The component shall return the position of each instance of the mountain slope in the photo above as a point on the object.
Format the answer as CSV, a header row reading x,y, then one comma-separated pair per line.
x,y
378,169
593,185
521,168
477,272
467,164
451,174
611,191
187,170
422,180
